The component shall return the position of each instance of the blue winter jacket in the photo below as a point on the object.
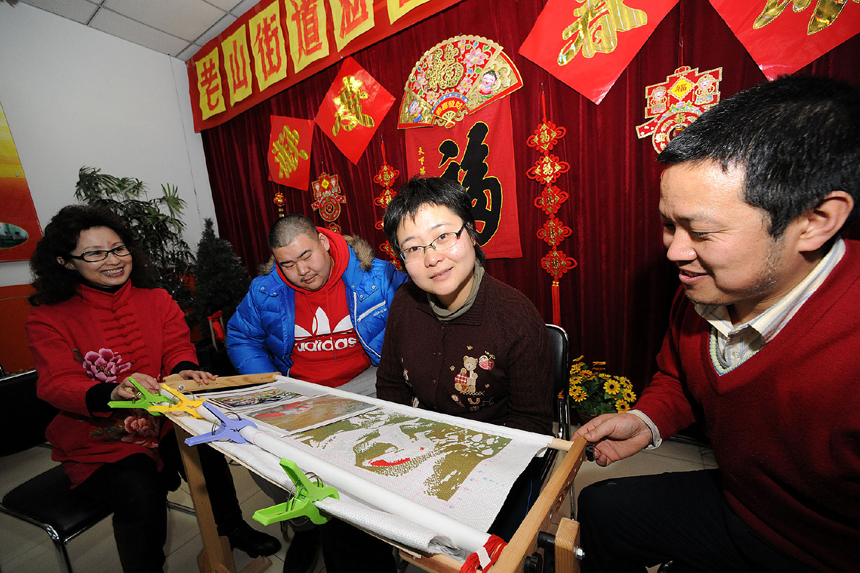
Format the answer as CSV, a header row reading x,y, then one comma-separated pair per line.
x,y
261,333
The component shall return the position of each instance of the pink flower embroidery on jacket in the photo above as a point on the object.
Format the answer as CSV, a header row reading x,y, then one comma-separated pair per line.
x,y
104,365
142,430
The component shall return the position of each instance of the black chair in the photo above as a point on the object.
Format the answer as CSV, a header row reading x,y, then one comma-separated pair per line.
x,y
561,378
47,500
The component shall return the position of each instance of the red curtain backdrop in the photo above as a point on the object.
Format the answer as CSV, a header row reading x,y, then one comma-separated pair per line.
x,y
614,305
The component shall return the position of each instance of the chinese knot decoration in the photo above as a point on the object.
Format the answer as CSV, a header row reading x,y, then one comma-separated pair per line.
x,y
327,199
546,171
676,103
385,177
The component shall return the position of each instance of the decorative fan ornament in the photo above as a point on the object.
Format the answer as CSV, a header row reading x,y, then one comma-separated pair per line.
x,y
546,171
328,199
456,77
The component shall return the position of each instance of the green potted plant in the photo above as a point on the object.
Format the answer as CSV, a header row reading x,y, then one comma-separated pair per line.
x,y
155,223
594,392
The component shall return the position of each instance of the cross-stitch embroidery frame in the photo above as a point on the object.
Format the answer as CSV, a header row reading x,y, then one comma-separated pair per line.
x,y
217,556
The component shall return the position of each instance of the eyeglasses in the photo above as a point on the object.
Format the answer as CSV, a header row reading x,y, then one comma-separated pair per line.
x,y
98,256
442,243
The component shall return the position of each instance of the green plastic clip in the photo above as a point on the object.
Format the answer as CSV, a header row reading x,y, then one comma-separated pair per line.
x,y
183,404
302,504
144,401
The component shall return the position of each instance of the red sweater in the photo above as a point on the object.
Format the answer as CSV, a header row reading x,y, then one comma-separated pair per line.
x,y
785,424
326,349
98,337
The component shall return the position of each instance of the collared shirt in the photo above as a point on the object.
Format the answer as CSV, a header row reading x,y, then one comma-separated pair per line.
x,y
730,346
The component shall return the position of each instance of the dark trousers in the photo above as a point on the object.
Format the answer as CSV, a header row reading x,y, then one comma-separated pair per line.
x,y
137,494
628,524
347,549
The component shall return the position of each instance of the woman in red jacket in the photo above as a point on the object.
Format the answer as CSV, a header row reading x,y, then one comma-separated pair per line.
x,y
98,321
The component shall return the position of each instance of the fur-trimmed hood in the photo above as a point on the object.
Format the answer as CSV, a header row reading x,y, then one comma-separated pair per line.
x,y
362,249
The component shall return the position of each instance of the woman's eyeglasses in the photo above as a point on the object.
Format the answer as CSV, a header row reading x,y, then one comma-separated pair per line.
x,y
97,256
442,243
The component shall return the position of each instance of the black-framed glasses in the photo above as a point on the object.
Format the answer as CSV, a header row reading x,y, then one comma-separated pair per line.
x,y
98,256
442,243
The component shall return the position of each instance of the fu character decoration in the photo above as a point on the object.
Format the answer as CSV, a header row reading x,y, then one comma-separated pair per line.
x,y
675,103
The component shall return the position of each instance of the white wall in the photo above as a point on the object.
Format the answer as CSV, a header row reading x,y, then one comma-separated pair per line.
x,y
75,97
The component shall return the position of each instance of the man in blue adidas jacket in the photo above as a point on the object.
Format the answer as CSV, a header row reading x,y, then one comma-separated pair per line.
x,y
319,314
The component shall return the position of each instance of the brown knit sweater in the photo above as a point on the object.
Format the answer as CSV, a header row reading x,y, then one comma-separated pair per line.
x,y
492,364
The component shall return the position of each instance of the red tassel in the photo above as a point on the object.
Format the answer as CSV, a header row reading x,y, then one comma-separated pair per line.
x,y
556,304
494,547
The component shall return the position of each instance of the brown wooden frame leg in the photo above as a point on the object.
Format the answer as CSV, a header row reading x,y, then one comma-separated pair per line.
x,y
216,557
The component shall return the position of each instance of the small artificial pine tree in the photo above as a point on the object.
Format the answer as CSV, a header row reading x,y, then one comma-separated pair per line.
x,y
220,277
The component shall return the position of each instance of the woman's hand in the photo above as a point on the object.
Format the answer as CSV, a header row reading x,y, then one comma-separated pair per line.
x,y
127,391
198,376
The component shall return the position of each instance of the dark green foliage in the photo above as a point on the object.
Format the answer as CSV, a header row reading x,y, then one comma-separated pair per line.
x,y
220,277
157,233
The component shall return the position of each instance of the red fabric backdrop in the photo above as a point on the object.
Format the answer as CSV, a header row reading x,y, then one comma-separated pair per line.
x,y
614,305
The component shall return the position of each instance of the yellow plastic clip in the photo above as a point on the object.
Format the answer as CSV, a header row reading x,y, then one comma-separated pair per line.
x,y
182,404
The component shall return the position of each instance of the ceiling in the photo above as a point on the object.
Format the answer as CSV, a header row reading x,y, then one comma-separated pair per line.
x,y
178,28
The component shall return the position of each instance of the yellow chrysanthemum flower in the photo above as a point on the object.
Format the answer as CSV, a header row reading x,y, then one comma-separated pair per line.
x,y
628,395
587,374
579,395
621,406
611,387
604,376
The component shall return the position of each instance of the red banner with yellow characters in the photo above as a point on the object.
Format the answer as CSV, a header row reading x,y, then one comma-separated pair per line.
x,y
783,36
588,43
477,152
352,109
278,43
289,155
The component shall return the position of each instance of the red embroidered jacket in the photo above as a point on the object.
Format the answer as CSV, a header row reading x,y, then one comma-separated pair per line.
x,y
98,337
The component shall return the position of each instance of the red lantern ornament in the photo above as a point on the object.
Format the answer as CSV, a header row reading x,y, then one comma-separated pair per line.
x,y
280,202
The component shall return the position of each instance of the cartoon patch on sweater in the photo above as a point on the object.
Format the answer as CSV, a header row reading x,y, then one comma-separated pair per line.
x,y
465,381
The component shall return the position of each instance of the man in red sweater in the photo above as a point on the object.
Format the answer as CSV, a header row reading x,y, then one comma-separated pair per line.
x,y
763,347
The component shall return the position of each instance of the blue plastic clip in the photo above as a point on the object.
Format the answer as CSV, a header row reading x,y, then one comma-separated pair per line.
x,y
229,429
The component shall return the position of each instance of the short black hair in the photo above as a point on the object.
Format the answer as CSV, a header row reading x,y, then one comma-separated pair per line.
x,y
285,230
53,282
797,139
420,191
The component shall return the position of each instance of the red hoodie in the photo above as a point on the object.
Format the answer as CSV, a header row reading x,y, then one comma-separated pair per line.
x,y
326,350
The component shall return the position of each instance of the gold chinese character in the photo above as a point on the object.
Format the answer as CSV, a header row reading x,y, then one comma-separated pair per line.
x,y
287,152
348,113
596,28
825,13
